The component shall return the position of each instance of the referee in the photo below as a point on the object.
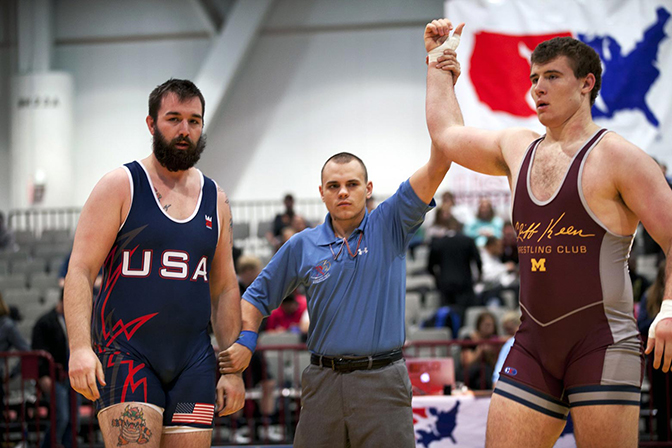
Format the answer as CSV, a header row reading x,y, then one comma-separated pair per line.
x,y
356,392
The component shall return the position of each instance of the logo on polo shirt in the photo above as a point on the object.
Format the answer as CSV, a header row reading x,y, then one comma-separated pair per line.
x,y
320,272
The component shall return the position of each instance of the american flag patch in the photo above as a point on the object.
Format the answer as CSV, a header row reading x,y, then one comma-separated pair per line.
x,y
194,413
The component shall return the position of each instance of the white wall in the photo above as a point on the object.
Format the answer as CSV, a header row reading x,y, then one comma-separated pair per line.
x,y
113,78
304,93
6,53
324,76
4,130
317,84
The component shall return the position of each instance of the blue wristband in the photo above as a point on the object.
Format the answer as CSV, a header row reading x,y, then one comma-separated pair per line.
x,y
248,339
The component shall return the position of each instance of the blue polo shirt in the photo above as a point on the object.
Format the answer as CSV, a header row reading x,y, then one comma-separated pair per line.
x,y
356,305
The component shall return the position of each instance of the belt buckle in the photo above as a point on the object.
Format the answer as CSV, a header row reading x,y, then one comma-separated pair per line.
x,y
334,362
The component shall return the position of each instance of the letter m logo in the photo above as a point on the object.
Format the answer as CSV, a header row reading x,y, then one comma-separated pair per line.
x,y
539,265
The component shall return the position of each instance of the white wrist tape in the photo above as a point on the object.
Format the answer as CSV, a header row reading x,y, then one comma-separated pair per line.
x,y
450,44
664,313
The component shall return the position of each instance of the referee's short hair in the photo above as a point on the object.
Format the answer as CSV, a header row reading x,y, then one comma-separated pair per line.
x,y
343,158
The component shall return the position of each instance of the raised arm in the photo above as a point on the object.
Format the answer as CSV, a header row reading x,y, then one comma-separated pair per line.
x,y
487,152
225,300
644,190
97,228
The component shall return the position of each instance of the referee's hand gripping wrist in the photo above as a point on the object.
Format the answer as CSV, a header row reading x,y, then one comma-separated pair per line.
x,y
237,357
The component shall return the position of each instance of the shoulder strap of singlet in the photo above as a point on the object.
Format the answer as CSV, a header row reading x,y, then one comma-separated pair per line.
x,y
210,200
590,144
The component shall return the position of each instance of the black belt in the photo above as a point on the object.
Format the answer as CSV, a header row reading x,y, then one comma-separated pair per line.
x,y
351,363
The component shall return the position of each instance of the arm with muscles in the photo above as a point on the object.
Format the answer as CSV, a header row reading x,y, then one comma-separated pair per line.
x,y
275,282
237,357
97,228
225,302
480,150
645,192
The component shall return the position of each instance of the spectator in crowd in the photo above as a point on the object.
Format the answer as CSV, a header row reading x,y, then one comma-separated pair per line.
x,y
49,335
509,244
649,307
510,324
9,338
247,269
478,363
298,223
450,262
497,276
6,235
485,224
444,317
284,219
287,219
15,314
639,283
287,317
442,216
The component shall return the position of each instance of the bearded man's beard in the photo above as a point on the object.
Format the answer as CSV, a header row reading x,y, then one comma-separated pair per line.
x,y
173,158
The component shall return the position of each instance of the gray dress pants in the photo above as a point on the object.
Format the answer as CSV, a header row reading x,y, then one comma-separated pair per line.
x,y
360,409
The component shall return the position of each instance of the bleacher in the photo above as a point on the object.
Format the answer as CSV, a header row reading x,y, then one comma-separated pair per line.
x,y
29,273
29,280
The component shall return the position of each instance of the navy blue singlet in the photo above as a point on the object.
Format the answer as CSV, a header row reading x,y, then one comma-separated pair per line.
x,y
154,303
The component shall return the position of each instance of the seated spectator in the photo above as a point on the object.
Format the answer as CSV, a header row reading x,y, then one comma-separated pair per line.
x,y
284,219
509,244
445,317
9,338
298,224
651,301
287,317
288,218
485,224
49,335
649,307
6,236
450,262
248,268
442,216
639,283
497,276
510,324
478,363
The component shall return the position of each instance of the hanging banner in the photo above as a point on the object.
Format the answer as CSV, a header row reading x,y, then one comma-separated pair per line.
x,y
632,38
459,421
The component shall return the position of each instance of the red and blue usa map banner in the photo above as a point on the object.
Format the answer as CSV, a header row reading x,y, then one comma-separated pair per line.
x,y
632,37
459,421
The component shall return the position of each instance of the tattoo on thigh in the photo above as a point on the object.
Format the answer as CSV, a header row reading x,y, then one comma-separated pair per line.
x,y
132,426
